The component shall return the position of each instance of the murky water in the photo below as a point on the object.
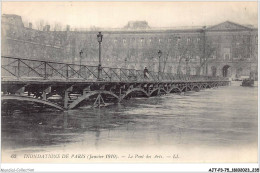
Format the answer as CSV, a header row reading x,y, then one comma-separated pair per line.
x,y
224,116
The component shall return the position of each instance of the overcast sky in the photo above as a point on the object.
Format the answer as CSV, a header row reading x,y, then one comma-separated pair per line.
x,y
117,14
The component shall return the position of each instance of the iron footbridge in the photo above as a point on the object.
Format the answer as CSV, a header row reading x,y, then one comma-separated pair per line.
x,y
66,86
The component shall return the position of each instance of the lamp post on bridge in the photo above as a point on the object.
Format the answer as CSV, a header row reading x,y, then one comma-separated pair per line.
x,y
125,62
159,70
99,38
187,60
80,57
204,66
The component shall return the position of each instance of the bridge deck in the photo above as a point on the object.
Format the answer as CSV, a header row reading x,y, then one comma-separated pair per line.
x,y
28,81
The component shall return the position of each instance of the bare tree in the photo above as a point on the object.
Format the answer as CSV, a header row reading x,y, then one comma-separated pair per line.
x,y
185,50
207,52
57,26
40,24
165,59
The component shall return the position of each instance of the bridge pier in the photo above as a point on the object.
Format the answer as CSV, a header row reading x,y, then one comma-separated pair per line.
x,y
44,92
66,97
20,90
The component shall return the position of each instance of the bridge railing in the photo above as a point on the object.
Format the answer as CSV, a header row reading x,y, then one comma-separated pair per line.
x,y
19,68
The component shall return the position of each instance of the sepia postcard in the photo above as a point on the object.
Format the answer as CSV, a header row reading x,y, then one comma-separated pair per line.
x,y
129,82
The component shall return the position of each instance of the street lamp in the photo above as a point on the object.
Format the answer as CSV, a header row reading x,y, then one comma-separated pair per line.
x,y
99,38
187,61
206,60
159,71
205,64
125,62
153,66
80,57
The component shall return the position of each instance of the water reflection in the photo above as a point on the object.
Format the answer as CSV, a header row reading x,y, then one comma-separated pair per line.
x,y
222,116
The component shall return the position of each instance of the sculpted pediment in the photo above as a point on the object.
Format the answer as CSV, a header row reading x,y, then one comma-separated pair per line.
x,y
228,26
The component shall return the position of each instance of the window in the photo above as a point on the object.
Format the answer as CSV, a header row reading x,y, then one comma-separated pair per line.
x,y
142,41
196,58
115,41
226,56
214,54
169,40
237,56
160,40
124,41
198,39
256,40
178,40
188,40
226,53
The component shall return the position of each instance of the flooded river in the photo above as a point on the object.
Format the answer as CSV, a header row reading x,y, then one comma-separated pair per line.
x,y
223,117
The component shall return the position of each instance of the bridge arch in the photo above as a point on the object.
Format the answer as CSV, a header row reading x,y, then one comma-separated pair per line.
x,y
86,96
134,90
183,89
203,86
30,99
162,89
197,87
175,88
156,89
208,86
190,87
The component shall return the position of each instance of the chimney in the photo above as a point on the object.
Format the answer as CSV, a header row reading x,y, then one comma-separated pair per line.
x,y
48,27
68,28
30,25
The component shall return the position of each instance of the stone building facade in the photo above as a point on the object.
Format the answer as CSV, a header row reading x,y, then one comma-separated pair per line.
x,y
227,49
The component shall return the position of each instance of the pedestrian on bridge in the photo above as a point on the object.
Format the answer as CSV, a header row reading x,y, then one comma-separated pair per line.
x,y
146,73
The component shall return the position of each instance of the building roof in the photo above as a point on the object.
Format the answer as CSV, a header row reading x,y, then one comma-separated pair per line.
x,y
224,26
143,27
